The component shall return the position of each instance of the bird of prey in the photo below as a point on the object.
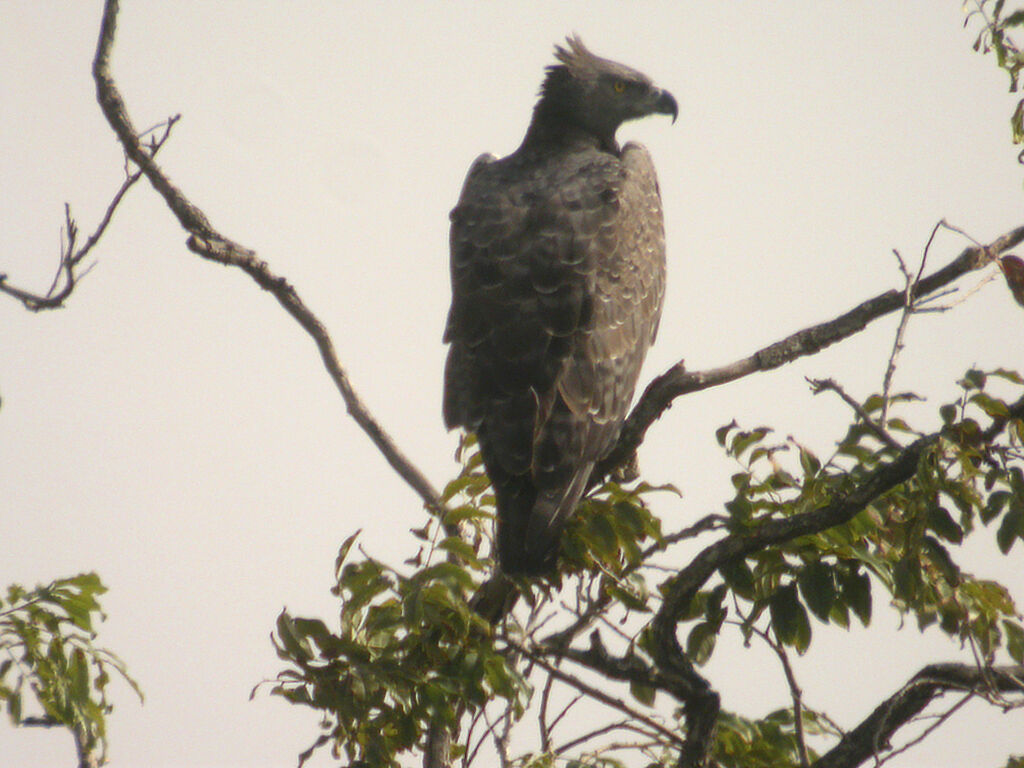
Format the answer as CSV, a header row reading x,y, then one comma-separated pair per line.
x,y
558,276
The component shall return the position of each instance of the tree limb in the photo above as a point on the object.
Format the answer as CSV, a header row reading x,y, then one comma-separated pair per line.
x,y
676,381
208,243
874,732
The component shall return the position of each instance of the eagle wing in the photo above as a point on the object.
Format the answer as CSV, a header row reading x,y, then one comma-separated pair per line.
x,y
557,279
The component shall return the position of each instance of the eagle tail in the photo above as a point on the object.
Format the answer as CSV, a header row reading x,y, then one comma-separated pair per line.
x,y
530,523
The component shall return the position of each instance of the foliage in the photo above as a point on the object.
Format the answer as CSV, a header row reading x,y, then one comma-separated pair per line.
x,y
410,651
995,37
46,636
901,542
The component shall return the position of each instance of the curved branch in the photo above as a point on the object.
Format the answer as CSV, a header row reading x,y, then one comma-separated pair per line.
x,y
207,242
874,732
676,381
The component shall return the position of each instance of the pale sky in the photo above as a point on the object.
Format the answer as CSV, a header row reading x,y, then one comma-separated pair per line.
x,y
173,429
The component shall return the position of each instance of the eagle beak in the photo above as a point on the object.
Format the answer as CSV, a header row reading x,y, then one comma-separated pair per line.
x,y
666,104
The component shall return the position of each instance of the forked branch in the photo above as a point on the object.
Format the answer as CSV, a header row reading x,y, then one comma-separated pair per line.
x,y
206,241
72,255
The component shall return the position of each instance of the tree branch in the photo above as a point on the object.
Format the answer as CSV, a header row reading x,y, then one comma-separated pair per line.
x,y
595,693
676,381
679,591
874,732
208,243
70,257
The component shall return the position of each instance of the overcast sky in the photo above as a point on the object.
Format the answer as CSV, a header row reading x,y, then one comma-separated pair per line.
x,y
173,429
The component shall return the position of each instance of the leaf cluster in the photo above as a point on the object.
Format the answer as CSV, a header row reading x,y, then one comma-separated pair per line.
x,y
46,638
771,742
409,652
994,36
902,542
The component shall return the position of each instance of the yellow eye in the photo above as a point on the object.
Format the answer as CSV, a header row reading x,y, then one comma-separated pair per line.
x,y
619,86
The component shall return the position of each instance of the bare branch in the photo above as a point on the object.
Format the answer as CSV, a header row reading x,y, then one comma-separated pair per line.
x,y
939,720
70,258
875,731
595,693
584,738
909,308
565,711
208,243
676,381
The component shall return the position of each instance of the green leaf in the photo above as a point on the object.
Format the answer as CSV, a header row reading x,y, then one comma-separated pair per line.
x,y
818,587
745,440
809,463
948,414
739,577
940,521
464,512
463,549
855,588
1004,373
1014,640
290,641
642,693
940,558
994,506
973,379
1010,529
789,618
700,643
79,675
723,432
906,578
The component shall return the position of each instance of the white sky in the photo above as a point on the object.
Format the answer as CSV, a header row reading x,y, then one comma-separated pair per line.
x,y
173,429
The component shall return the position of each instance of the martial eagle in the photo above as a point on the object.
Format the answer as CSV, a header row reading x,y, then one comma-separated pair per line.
x,y
558,276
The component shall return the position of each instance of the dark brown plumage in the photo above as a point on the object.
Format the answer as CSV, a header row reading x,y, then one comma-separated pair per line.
x,y
558,275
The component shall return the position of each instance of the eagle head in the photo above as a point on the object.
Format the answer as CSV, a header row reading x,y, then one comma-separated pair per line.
x,y
597,95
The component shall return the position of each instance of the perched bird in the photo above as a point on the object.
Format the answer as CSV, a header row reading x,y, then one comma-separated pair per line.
x,y
558,276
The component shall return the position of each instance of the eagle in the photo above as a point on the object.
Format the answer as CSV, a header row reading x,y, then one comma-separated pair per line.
x,y
558,277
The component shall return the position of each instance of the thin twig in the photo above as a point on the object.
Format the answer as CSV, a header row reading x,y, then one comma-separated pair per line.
x,y
939,720
596,693
70,258
820,385
795,692
565,711
909,307
590,735
542,717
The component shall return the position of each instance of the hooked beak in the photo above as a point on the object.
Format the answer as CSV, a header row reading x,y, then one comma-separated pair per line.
x,y
666,104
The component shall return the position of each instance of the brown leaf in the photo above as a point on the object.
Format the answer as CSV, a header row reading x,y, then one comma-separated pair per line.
x,y
1013,271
